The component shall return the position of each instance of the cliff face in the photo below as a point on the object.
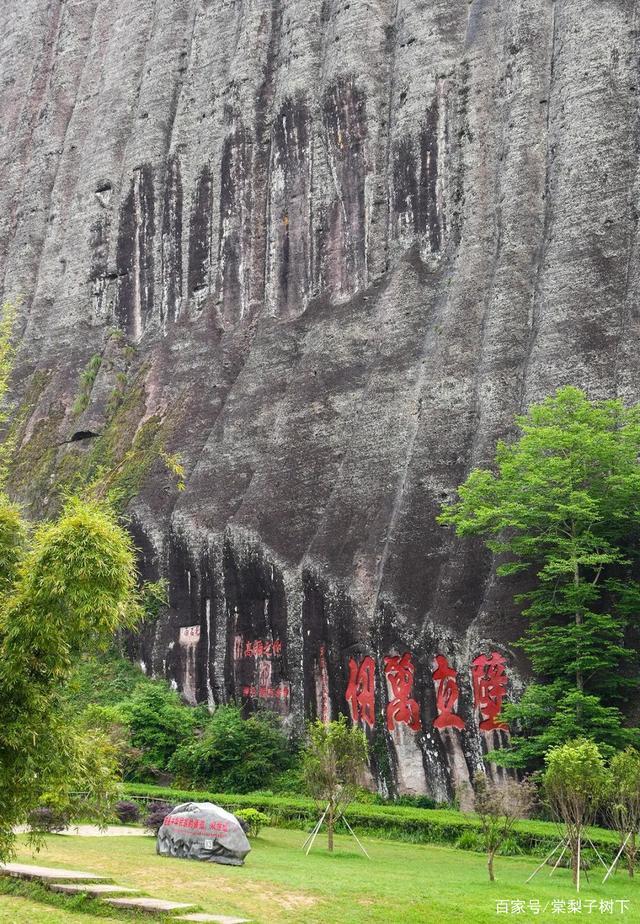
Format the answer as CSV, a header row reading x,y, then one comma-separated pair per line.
x,y
344,243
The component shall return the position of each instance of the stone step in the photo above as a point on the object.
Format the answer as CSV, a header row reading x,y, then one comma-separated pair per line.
x,y
98,888
214,918
152,905
46,873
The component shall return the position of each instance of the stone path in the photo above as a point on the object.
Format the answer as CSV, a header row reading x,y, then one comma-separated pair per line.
x,y
75,882
109,831
46,873
94,831
147,904
214,918
93,889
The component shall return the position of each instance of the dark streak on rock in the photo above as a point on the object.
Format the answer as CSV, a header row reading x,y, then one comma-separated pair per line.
x,y
200,232
135,254
172,243
344,118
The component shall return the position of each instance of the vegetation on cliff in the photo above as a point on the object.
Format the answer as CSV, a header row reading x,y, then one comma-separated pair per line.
x,y
66,586
561,509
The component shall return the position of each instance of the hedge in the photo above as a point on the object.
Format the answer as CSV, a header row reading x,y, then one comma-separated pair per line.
x,y
423,826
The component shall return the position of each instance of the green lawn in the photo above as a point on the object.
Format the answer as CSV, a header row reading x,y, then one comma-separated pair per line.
x,y
14,910
402,883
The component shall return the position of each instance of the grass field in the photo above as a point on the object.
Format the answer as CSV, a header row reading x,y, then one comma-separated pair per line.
x,y
17,910
401,883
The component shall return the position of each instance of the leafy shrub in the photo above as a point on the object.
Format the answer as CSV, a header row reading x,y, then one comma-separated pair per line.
x,y
159,723
510,848
127,812
470,841
87,379
105,679
252,821
233,753
156,814
47,820
438,826
289,781
423,802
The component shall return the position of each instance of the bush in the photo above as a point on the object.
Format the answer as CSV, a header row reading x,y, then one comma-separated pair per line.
x,y
156,814
420,826
159,723
423,802
510,848
289,781
470,841
233,753
252,821
127,812
47,820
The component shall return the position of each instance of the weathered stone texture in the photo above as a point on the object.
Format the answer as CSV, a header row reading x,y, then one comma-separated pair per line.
x,y
349,241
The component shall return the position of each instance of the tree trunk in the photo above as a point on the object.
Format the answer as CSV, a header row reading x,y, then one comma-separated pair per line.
x,y
330,829
575,859
579,675
490,857
631,854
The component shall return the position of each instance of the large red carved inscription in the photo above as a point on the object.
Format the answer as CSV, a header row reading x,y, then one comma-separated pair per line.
x,y
489,689
447,694
361,690
489,677
403,709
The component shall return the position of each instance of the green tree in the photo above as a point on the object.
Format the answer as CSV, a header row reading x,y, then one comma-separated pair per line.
x,y
623,802
64,588
334,762
562,508
575,784
498,807
159,722
234,754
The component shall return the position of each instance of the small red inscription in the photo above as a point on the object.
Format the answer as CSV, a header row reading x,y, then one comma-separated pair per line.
x,y
267,692
189,634
262,649
196,824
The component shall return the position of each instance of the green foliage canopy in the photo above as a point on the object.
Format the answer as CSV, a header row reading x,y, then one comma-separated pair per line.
x,y
234,754
575,784
158,722
333,763
562,508
623,802
66,586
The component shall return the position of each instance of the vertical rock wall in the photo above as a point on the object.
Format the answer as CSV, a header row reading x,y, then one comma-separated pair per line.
x,y
342,242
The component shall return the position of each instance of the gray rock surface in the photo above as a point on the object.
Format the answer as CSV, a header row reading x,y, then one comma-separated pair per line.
x,y
348,239
203,831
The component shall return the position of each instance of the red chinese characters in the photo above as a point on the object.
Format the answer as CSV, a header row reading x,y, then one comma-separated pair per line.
x,y
403,709
489,689
361,690
262,649
196,824
189,634
265,691
447,694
